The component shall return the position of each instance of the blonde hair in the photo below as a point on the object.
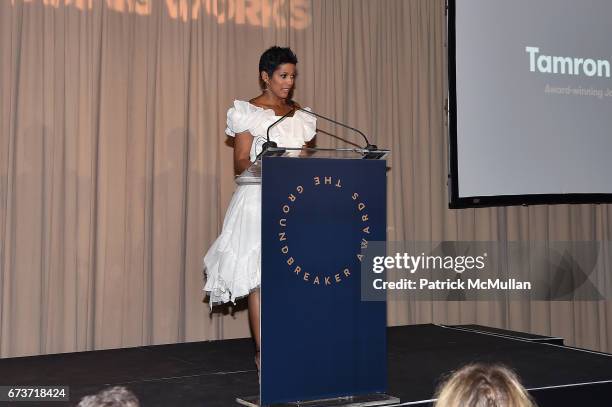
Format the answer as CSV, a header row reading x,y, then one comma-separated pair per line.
x,y
481,385
117,396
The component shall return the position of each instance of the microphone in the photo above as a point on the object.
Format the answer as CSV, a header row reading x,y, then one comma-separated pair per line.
x,y
368,146
271,144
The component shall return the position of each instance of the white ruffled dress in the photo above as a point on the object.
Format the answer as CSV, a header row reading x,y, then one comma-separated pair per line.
x,y
233,262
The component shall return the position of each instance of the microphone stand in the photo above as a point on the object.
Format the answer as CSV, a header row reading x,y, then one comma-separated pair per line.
x,y
369,147
271,144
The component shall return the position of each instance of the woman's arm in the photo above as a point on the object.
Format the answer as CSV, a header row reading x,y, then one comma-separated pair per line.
x,y
242,151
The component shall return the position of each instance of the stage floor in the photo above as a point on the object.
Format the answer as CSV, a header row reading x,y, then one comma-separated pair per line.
x,y
212,374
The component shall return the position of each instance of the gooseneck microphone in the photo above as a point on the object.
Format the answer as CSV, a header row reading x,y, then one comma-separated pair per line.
x,y
368,146
271,144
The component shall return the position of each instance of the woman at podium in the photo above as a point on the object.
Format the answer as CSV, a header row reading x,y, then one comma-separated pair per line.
x,y
233,262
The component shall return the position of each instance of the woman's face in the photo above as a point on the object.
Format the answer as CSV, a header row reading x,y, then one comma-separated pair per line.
x,y
282,81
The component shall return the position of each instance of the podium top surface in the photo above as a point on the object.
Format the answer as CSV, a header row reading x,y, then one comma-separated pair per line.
x,y
252,175
338,153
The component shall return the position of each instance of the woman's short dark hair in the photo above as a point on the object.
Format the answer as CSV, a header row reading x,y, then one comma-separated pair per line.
x,y
272,58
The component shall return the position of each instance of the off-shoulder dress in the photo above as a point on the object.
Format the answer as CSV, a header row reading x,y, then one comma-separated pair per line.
x,y
233,262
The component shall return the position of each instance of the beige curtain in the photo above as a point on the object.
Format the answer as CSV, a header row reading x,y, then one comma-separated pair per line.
x,y
115,172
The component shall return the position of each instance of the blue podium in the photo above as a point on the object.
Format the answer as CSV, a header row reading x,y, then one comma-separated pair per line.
x,y
319,341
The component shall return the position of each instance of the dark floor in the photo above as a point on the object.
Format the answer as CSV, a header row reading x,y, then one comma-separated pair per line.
x,y
214,373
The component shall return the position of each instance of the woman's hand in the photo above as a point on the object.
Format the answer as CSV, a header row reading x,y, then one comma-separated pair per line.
x,y
242,151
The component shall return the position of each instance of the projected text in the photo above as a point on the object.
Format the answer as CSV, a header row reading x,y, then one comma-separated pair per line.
x,y
567,65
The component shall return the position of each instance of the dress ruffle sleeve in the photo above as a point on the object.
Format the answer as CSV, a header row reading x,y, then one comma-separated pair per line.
x,y
242,117
310,124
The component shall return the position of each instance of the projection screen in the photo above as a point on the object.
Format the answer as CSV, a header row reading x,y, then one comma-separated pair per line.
x,y
530,101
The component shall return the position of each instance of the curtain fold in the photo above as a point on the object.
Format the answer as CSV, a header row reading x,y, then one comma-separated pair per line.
x,y
115,172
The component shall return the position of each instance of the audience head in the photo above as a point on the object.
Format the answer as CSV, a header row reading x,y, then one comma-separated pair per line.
x,y
113,397
482,385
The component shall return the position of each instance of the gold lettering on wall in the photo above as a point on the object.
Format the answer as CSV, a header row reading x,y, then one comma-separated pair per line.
x,y
256,13
182,9
141,7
